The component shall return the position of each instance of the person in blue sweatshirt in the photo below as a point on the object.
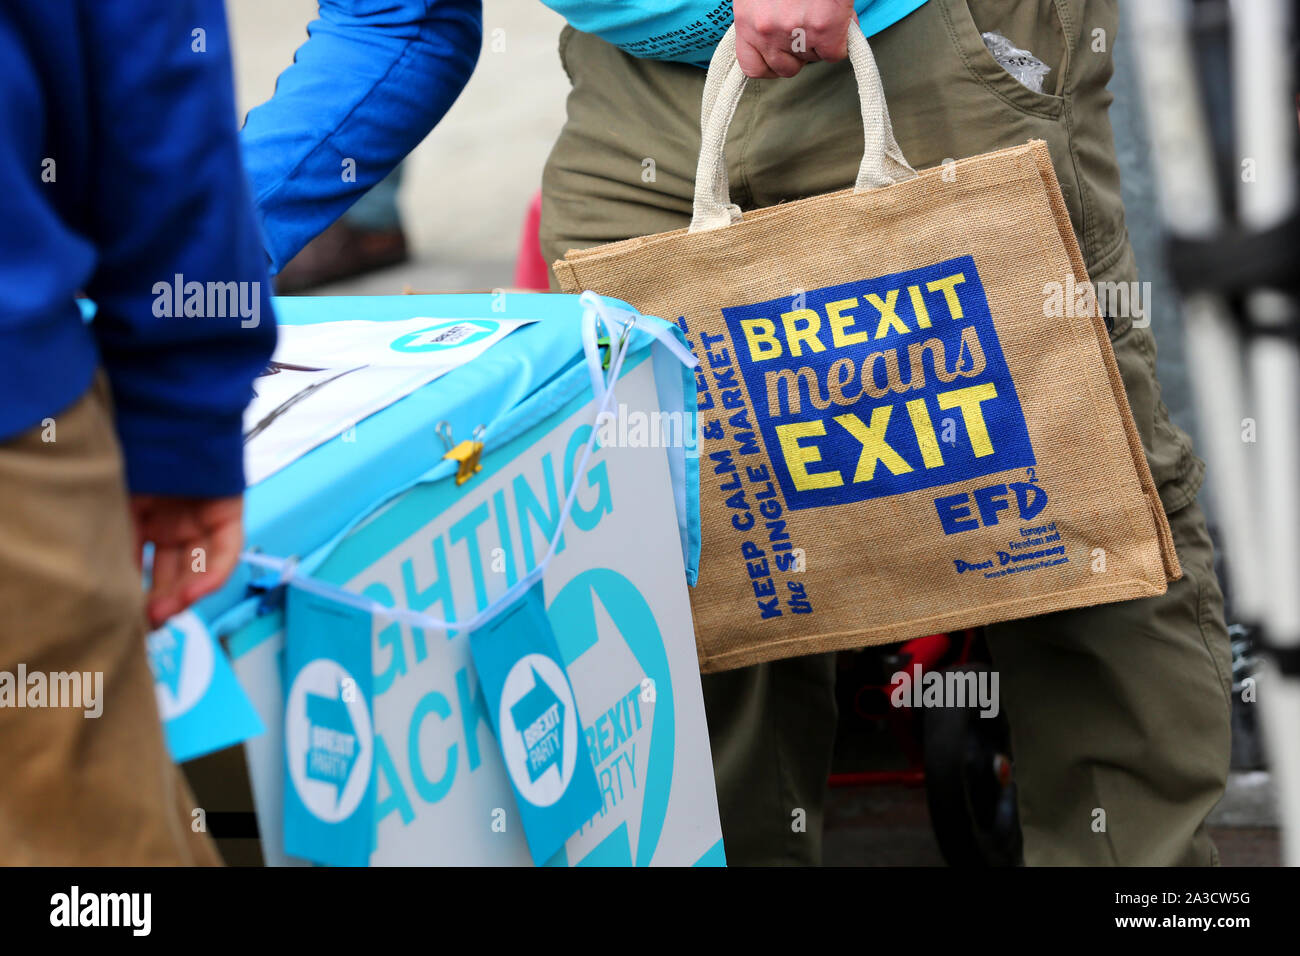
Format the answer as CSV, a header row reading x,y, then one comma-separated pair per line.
x,y
123,181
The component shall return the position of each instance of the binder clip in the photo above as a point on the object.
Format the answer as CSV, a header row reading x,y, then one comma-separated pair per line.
x,y
465,454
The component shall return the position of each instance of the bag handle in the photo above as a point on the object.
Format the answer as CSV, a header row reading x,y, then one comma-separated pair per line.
x,y
883,163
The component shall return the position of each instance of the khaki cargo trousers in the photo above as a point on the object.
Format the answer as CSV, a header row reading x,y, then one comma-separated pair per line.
x,y
1119,714
88,782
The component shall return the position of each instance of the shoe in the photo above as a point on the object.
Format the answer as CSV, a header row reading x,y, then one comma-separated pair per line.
x,y
342,251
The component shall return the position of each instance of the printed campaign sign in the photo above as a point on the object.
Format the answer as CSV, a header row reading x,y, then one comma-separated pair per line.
x,y
328,737
202,706
536,720
616,598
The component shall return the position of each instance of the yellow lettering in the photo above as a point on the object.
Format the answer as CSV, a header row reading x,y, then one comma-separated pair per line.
x,y
888,316
760,336
968,400
918,306
799,457
874,447
840,321
931,455
949,287
794,335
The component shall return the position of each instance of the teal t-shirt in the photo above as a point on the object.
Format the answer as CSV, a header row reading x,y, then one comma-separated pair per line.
x,y
688,30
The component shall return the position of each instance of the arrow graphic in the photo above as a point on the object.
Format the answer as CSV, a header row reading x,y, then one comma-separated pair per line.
x,y
539,718
333,747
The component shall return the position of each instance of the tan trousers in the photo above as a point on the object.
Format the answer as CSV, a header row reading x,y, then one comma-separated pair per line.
x,y
80,789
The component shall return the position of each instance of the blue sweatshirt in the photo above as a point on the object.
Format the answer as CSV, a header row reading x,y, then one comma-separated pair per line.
x,y
372,80
120,165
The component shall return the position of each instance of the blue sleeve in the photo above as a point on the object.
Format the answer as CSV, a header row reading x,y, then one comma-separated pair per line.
x,y
168,206
370,82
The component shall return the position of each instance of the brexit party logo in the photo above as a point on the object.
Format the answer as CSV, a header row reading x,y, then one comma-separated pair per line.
x,y
445,335
539,735
333,746
181,658
881,386
328,740
536,720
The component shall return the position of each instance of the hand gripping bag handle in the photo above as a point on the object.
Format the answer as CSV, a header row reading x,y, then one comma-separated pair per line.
x,y
883,163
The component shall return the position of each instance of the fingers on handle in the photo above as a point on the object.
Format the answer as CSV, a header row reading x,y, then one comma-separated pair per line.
x,y
752,61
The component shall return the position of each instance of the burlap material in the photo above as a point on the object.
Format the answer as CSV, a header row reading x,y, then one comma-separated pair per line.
x,y
911,419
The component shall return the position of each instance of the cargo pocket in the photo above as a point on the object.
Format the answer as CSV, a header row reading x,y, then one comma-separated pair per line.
x,y
989,73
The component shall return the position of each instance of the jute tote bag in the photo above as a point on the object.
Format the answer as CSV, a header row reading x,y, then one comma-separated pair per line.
x,y
895,437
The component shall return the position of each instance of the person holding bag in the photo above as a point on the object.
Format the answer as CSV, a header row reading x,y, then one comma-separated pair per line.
x,y
1119,710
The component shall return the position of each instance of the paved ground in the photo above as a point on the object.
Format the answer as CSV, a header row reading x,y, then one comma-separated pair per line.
x,y
890,826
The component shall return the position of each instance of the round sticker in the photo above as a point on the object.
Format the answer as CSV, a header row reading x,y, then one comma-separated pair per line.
x,y
327,738
539,735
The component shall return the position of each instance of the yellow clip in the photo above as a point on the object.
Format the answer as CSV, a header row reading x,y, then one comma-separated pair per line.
x,y
466,455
